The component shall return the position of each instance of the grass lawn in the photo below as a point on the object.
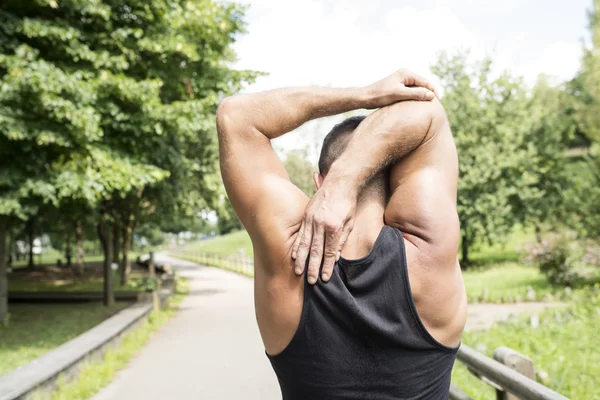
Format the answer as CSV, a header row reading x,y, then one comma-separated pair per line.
x,y
506,283
35,329
94,375
564,346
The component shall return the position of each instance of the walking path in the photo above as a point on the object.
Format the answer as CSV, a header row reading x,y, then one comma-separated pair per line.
x,y
212,349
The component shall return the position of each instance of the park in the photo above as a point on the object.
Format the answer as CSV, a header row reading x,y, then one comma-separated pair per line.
x,y
124,271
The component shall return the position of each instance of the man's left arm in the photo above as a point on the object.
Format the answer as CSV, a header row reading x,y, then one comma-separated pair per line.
x,y
380,140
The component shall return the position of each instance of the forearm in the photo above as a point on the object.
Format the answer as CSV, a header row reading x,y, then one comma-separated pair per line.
x,y
276,112
383,138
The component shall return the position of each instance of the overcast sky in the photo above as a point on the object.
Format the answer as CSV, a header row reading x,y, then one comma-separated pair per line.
x,y
355,42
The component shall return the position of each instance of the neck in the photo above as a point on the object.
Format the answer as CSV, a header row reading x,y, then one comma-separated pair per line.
x,y
367,225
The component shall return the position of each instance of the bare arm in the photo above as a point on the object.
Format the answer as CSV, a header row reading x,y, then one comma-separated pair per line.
x,y
382,139
267,203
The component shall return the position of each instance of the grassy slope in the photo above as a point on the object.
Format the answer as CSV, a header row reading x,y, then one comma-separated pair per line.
x,y
35,329
231,243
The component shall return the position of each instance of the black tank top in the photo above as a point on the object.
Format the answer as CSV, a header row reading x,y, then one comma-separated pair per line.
x,y
360,337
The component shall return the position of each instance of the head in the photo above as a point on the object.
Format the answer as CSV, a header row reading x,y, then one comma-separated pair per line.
x,y
334,145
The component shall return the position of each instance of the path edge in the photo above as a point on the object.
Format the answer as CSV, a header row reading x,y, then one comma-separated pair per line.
x,y
67,359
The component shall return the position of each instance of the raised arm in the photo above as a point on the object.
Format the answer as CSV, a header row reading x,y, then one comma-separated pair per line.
x,y
256,182
382,139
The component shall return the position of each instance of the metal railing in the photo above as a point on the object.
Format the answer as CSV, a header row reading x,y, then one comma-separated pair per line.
x,y
237,263
510,373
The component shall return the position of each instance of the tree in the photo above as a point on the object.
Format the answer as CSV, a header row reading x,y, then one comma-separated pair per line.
x,y
552,129
227,220
491,127
300,170
112,105
586,94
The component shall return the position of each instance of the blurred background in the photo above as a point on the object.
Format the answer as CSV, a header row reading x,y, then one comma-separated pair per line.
x,y
108,151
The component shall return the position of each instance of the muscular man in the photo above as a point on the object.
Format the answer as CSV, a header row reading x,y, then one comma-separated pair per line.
x,y
384,318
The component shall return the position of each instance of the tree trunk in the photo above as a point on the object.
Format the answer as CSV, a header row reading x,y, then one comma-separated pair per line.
x,y
3,277
79,246
538,234
465,243
69,252
125,261
104,233
30,238
116,243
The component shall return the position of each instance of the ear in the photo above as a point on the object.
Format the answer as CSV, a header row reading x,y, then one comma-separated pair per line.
x,y
318,179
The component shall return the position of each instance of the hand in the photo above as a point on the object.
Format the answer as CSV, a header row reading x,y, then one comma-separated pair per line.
x,y
401,85
328,220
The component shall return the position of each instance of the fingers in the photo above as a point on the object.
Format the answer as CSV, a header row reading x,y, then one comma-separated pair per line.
x,y
332,247
304,239
413,79
295,249
316,253
417,93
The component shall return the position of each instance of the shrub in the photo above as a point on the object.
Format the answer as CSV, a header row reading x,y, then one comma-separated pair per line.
x,y
562,258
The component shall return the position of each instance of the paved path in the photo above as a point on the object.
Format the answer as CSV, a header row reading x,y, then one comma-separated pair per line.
x,y
210,350
483,316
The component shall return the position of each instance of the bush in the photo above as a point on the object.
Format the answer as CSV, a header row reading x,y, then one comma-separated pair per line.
x,y
562,258
145,283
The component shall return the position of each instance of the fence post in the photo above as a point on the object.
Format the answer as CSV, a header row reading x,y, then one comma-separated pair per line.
x,y
516,361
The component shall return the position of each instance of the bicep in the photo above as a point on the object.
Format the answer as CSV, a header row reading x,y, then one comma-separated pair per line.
x,y
257,184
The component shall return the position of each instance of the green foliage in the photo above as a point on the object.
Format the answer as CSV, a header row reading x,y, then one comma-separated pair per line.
x,y
563,346
35,329
563,259
107,109
508,160
585,90
145,283
228,221
300,171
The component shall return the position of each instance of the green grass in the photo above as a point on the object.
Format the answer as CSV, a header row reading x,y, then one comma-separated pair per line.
x,y
564,346
231,243
35,329
485,253
94,375
507,283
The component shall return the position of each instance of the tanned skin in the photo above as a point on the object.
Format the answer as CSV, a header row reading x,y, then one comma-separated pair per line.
x,y
411,138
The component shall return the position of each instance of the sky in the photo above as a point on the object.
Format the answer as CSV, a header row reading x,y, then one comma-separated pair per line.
x,y
341,43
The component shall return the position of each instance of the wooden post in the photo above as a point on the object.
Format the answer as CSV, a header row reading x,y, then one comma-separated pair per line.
x,y
516,361
152,273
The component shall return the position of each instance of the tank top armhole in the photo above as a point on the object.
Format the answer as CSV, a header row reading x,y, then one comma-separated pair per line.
x,y
301,322
411,303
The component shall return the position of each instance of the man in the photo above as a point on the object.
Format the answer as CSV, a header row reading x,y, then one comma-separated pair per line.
x,y
385,318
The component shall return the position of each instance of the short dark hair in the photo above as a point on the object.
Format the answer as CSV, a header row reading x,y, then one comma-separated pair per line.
x,y
336,142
